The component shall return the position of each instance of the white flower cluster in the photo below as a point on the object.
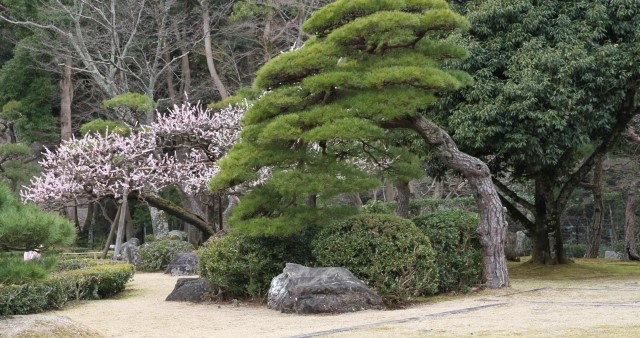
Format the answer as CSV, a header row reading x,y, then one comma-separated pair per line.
x,y
215,132
98,165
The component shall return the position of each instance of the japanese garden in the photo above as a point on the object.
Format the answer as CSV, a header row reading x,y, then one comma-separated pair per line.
x,y
205,168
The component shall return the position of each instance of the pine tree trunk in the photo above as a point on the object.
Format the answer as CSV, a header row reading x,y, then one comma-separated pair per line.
x,y
233,201
492,224
630,226
402,199
597,221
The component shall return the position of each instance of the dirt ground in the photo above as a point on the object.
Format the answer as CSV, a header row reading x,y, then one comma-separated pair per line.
x,y
595,308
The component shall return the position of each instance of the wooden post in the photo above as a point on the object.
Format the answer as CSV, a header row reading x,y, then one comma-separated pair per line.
x,y
111,233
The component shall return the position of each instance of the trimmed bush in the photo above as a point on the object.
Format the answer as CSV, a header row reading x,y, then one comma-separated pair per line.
x,y
79,263
452,233
388,253
155,256
52,293
99,281
242,266
574,250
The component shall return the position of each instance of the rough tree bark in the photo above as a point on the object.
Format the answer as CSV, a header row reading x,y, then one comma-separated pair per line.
x,y
403,197
492,224
597,221
66,97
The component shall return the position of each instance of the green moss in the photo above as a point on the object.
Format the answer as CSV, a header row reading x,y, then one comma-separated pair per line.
x,y
579,269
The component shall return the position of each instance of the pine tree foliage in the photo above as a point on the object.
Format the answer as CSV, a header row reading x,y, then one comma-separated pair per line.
x,y
367,62
26,227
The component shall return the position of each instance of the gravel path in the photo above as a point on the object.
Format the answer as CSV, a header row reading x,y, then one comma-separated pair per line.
x,y
597,308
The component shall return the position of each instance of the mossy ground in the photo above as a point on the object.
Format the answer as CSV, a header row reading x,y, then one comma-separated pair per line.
x,y
578,269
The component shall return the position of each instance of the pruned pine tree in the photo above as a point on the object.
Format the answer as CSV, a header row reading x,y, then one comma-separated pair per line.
x,y
370,66
26,227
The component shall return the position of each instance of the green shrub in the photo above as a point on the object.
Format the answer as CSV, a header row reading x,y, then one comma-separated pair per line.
x,y
98,281
14,270
155,256
388,253
33,297
242,266
52,293
575,250
79,263
459,254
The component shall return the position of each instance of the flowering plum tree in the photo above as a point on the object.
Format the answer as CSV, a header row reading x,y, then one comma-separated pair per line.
x,y
138,165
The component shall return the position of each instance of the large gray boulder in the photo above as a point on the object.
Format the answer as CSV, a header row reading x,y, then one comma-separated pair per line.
x,y
183,264
193,290
299,289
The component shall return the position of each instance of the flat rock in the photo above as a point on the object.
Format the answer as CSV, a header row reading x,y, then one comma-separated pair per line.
x,y
300,289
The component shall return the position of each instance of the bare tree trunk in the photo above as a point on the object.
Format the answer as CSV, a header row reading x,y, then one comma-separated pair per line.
x,y
630,226
121,225
185,69
597,221
66,97
492,224
209,53
168,78
402,199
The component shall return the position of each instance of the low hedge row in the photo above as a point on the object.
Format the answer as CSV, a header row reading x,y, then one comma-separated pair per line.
x,y
90,282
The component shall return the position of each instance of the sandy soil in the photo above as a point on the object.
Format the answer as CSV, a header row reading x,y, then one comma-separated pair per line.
x,y
533,309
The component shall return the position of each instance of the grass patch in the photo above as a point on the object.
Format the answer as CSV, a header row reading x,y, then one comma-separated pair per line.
x,y
579,269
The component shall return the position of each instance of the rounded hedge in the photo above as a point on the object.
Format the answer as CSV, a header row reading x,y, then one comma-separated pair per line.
x,y
155,256
242,266
459,254
387,252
